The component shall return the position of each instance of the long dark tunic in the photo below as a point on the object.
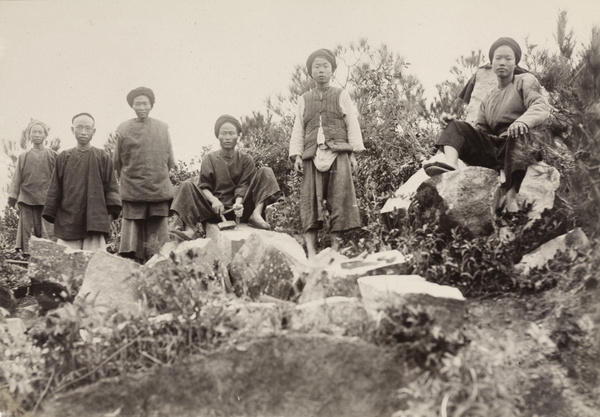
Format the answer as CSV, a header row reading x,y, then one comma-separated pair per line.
x,y
82,192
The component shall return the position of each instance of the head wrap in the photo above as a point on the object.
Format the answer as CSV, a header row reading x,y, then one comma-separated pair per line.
x,y
227,119
321,53
508,42
140,91
37,123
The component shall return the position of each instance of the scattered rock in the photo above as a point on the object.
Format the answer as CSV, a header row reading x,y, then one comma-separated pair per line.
x,y
444,304
50,261
269,263
460,198
339,316
292,376
110,284
338,276
573,241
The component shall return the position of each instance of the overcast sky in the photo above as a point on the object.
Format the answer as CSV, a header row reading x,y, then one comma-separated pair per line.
x,y
205,58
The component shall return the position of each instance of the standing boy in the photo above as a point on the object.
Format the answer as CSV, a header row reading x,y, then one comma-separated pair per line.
x,y
83,192
324,140
30,183
143,158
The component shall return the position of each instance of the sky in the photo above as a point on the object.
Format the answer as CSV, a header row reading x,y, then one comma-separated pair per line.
x,y
204,58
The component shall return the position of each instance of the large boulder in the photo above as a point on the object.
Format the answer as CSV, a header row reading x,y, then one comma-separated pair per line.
x,y
269,263
338,276
575,240
292,376
50,261
110,283
340,316
460,198
444,304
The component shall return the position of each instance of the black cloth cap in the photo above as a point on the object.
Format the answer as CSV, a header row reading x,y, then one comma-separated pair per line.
x,y
227,119
140,91
509,42
322,53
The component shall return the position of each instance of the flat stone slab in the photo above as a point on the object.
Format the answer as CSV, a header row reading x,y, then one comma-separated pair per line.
x,y
571,241
202,253
231,241
444,304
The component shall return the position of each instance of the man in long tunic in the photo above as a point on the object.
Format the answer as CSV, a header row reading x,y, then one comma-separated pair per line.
x,y
143,158
229,184
83,196
504,125
325,137
29,185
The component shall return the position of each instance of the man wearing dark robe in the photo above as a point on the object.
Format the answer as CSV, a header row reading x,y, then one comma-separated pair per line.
x,y
83,196
229,183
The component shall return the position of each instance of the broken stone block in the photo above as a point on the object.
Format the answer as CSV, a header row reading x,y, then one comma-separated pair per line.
x,y
444,304
110,283
50,261
460,198
573,241
338,278
340,316
269,263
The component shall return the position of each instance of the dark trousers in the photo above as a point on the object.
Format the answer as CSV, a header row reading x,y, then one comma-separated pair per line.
x,y
476,147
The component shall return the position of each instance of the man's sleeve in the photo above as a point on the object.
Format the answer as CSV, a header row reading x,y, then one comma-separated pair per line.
x,y
537,106
15,184
171,161
111,192
207,175
117,154
248,170
355,138
297,138
481,122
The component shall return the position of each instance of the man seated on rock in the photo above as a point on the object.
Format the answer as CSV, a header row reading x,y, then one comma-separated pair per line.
x,y
229,185
83,196
503,127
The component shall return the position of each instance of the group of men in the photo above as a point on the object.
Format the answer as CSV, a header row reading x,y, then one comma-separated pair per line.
x,y
83,189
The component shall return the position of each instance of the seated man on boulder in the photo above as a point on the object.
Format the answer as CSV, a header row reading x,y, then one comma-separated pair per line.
x,y
229,185
503,128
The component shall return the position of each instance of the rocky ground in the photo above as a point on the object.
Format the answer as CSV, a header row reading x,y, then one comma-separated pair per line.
x,y
320,350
